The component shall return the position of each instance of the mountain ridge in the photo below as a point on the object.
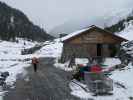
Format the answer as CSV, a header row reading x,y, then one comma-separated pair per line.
x,y
15,23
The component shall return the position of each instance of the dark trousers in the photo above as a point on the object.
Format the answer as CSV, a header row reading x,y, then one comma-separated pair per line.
x,y
35,67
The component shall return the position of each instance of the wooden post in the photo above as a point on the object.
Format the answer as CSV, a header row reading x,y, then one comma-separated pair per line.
x,y
72,61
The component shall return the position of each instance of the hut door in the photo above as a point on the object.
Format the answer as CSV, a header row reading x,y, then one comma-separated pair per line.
x,y
99,49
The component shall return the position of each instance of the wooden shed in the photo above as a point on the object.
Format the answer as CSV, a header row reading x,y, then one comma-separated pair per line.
x,y
90,42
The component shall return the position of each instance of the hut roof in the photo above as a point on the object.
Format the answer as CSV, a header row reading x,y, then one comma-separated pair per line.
x,y
77,33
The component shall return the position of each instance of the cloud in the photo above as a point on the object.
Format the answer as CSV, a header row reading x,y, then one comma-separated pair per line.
x,y
50,13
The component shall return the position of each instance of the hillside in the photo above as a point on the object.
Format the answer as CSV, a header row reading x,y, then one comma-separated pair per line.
x,y
15,23
122,24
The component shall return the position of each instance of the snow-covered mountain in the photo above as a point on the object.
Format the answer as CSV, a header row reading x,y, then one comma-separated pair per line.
x,y
127,32
123,26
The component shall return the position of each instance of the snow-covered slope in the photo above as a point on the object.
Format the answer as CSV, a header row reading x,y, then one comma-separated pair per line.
x,y
51,49
128,31
113,17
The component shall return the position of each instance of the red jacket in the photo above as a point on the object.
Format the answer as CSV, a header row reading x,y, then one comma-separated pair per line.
x,y
35,60
96,68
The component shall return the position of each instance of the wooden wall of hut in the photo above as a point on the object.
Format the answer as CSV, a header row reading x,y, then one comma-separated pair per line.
x,y
91,43
83,51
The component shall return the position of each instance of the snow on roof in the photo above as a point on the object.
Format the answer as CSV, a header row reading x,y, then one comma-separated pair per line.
x,y
83,30
76,33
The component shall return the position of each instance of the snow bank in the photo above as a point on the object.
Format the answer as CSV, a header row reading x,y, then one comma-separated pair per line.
x,y
125,78
111,62
14,71
62,66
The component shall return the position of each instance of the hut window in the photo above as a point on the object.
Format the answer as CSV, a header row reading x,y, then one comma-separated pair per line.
x,y
113,50
99,49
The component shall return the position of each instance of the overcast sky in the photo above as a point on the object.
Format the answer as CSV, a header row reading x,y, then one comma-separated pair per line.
x,y
50,13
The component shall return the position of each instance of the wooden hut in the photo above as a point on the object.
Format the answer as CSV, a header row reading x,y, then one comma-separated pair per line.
x,y
90,42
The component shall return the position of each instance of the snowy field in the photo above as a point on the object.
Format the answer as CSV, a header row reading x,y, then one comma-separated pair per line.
x,y
11,59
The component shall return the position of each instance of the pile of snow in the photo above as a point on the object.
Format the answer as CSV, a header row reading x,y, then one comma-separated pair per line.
x,y
81,61
125,78
111,62
14,70
63,66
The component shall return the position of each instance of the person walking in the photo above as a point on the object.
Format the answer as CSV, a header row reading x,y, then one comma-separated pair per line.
x,y
34,63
